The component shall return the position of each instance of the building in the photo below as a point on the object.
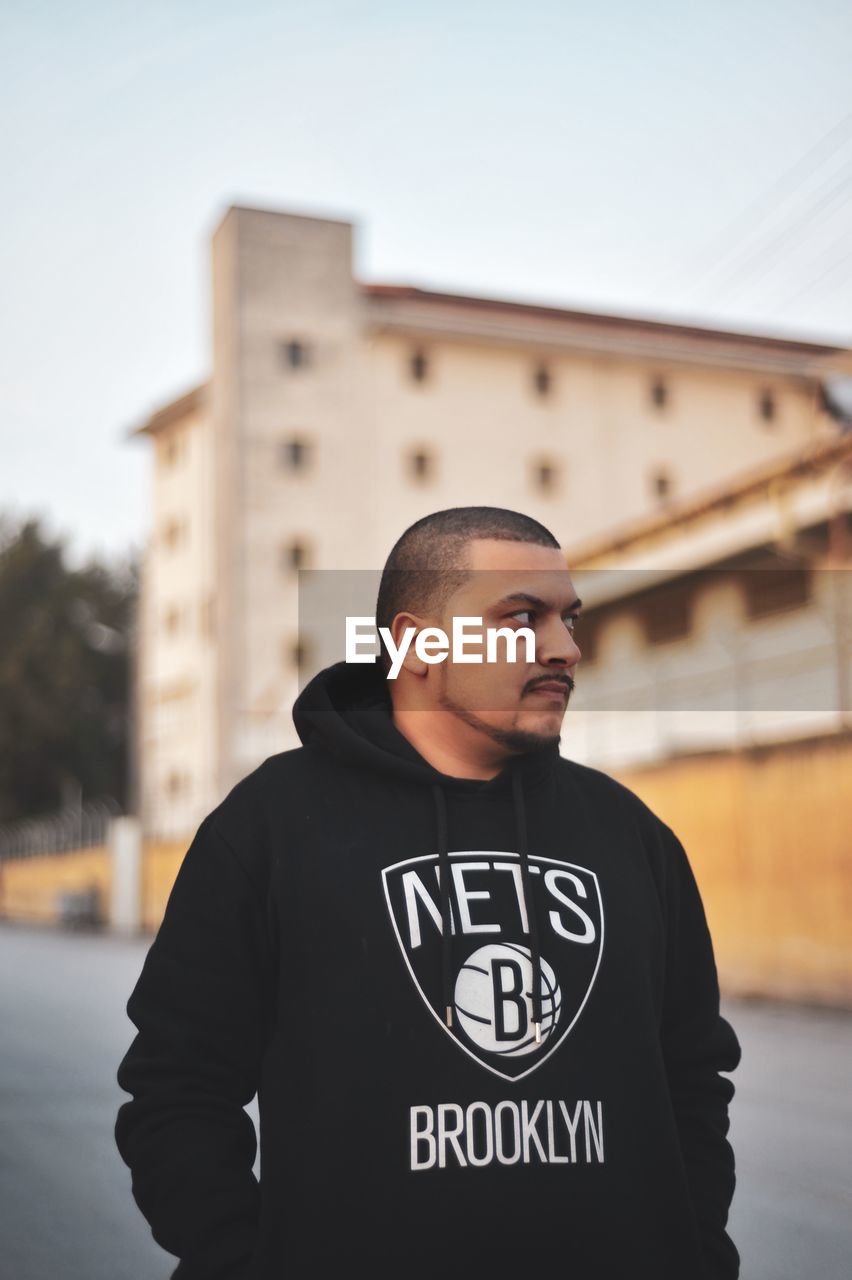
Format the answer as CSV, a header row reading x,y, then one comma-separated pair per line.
x,y
716,682
337,412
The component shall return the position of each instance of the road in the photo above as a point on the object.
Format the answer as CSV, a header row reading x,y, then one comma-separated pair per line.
x,y
66,1212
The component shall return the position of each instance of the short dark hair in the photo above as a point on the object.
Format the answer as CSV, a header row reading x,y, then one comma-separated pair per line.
x,y
427,563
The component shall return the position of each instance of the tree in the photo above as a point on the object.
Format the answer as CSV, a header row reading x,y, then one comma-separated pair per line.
x,y
66,641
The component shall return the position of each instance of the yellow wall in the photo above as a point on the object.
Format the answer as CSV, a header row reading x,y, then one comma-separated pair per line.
x,y
30,887
768,833
769,836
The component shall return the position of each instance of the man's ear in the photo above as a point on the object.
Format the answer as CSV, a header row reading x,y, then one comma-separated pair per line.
x,y
404,622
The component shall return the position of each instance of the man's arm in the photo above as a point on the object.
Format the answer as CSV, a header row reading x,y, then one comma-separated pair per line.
x,y
199,1009
698,1044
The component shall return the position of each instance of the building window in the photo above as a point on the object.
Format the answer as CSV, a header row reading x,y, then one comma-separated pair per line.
x,y
542,381
419,366
666,614
661,484
295,453
294,353
775,590
421,465
178,784
766,406
297,652
545,475
294,555
172,533
659,393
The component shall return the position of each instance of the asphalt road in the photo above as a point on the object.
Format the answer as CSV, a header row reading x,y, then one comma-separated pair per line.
x,y
66,1212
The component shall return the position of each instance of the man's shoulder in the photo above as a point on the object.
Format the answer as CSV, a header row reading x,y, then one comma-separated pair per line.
x,y
242,817
608,795
283,767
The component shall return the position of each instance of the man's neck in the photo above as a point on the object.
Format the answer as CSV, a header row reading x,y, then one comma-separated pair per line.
x,y
436,736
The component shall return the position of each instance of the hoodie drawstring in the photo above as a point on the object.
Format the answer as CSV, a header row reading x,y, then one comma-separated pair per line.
x,y
529,898
448,993
446,911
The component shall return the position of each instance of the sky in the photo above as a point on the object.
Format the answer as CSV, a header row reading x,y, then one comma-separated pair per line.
x,y
666,160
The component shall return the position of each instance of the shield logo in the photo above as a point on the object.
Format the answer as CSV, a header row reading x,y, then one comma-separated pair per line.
x,y
493,968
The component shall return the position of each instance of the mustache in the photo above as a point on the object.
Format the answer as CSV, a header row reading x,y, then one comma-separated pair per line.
x,y
565,680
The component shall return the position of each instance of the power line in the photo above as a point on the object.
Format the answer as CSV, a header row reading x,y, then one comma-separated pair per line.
x,y
826,146
740,272
828,260
812,284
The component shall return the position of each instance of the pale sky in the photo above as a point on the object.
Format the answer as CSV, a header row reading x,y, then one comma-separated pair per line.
x,y
660,159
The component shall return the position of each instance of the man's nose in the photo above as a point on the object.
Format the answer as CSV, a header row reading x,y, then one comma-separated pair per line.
x,y
557,645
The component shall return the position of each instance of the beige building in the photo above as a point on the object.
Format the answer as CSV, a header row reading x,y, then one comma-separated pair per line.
x,y
338,412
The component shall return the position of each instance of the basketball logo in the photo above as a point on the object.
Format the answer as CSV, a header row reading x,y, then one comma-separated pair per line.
x,y
493,999
491,1002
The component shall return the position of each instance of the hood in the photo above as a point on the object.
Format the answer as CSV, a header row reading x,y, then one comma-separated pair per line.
x,y
346,709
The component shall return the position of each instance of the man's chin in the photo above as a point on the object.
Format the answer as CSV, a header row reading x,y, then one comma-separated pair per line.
x,y
542,727
525,741
518,739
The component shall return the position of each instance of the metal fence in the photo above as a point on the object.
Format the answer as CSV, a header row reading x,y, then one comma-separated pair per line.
x,y
79,826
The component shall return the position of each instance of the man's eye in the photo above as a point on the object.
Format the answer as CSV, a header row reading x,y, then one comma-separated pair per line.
x,y
571,621
524,613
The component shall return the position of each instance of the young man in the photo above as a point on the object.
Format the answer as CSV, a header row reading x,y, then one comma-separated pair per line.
x,y
470,980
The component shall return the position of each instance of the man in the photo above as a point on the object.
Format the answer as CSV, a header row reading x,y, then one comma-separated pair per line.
x,y
470,980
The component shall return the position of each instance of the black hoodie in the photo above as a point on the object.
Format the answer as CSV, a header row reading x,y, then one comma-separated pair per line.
x,y
482,1020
